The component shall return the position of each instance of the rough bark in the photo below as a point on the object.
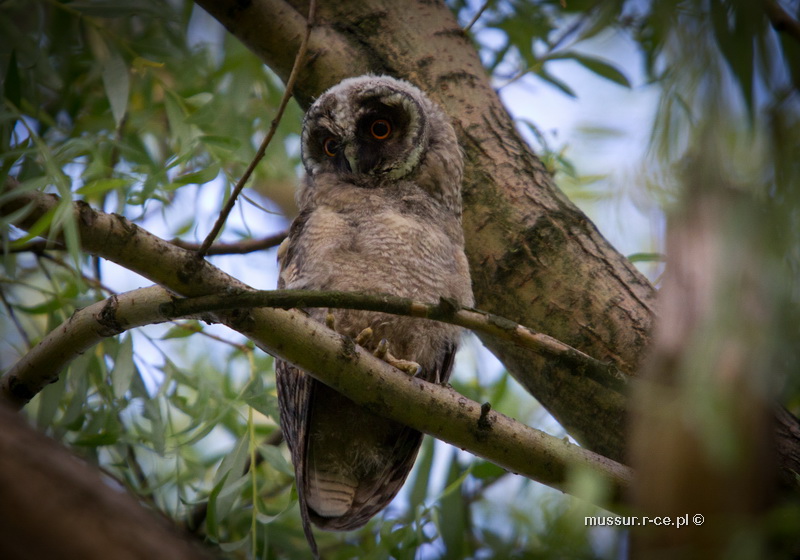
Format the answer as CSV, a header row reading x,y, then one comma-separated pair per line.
x,y
56,506
535,258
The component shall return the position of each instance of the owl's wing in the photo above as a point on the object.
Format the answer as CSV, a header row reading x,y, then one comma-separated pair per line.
x,y
290,253
295,387
294,396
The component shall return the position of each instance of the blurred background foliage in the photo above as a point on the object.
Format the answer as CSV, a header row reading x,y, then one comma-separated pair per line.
x,y
149,109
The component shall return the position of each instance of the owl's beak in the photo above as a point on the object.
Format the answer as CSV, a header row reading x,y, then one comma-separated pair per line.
x,y
351,157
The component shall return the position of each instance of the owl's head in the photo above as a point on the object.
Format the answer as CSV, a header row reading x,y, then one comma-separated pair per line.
x,y
377,127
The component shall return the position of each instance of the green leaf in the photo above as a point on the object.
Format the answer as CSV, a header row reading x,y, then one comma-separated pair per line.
x,y
117,84
232,471
211,514
183,330
453,528
124,368
550,79
223,142
485,470
78,384
236,545
37,229
256,395
176,116
97,440
419,488
49,400
101,186
602,68
199,177
274,458
647,257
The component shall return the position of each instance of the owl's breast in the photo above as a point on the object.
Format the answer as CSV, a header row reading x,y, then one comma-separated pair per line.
x,y
379,250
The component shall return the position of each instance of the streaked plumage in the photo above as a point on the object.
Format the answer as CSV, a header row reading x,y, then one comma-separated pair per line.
x,y
380,212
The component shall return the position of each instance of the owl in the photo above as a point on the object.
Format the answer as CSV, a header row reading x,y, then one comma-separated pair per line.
x,y
379,213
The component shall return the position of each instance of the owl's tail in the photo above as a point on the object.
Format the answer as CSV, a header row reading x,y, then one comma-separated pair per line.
x,y
330,494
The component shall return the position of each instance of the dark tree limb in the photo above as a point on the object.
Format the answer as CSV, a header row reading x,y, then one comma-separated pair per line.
x,y
56,506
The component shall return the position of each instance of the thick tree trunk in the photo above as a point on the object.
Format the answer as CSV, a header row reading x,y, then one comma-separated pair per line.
x,y
53,505
535,258
704,437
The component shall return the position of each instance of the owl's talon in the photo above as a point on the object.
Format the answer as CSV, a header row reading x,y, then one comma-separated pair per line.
x,y
382,349
406,366
364,336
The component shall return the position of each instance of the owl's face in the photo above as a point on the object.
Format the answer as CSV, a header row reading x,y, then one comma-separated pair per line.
x,y
369,127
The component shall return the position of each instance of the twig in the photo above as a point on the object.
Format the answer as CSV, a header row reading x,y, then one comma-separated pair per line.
x,y
238,248
477,16
15,319
781,21
145,306
287,94
445,311
40,246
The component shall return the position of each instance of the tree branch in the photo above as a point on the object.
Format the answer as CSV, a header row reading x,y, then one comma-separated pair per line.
x,y
445,311
780,20
337,361
56,506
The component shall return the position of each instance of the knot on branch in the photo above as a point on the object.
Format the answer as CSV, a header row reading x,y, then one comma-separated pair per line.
x,y
108,324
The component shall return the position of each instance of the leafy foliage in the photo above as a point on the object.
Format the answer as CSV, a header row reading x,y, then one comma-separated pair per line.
x,y
147,109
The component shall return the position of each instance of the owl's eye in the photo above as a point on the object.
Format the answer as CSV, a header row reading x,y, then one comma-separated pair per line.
x,y
331,146
380,129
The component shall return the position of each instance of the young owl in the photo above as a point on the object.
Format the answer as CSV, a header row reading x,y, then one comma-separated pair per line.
x,y
380,212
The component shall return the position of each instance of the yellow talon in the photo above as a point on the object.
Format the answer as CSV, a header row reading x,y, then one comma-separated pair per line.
x,y
406,366
364,336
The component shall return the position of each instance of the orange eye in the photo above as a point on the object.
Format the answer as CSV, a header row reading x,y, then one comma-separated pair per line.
x,y
380,129
331,146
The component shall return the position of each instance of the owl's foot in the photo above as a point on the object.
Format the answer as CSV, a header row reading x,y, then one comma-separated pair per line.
x,y
406,366
330,320
361,339
364,336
